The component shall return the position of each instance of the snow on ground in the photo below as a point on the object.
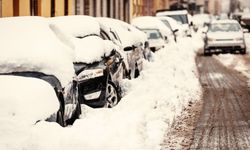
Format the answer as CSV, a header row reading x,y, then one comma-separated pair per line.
x,y
145,113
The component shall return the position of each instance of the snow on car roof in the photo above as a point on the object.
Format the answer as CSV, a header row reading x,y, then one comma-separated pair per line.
x,y
78,26
127,37
29,44
175,12
151,22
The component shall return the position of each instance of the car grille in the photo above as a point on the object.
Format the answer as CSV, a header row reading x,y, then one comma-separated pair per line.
x,y
224,39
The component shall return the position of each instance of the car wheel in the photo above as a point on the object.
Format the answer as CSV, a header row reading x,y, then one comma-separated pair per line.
x,y
137,72
112,97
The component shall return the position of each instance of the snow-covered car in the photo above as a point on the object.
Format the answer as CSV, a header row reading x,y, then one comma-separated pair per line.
x,y
154,22
225,36
175,27
98,64
180,16
156,41
132,42
35,72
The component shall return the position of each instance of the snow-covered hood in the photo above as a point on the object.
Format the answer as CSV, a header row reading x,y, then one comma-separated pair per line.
x,y
26,100
224,35
92,49
29,44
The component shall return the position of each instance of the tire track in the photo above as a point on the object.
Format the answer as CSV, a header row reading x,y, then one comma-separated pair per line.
x,y
224,120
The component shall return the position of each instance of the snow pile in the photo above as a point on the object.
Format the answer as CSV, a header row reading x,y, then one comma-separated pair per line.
x,y
20,110
140,120
29,44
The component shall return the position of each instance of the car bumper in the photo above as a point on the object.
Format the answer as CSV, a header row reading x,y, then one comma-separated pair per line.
x,y
232,45
92,92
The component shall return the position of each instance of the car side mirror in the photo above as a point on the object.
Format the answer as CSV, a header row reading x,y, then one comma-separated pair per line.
x,y
128,48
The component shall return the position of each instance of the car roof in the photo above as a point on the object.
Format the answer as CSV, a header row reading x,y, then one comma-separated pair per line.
x,y
174,12
77,25
225,21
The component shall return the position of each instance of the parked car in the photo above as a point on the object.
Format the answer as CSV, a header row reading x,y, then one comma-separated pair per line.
x,y
156,41
145,22
180,16
224,36
35,72
131,42
173,25
98,64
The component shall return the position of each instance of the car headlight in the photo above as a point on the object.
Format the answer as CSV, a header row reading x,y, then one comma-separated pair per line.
x,y
239,39
89,74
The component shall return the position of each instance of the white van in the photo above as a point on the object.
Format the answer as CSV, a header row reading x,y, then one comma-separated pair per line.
x,y
180,16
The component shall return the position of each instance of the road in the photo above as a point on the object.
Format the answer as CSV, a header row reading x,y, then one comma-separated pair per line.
x,y
224,122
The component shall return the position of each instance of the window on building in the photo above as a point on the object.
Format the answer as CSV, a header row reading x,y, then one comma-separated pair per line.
x,y
108,8
86,7
53,11
15,7
114,5
0,8
94,8
66,7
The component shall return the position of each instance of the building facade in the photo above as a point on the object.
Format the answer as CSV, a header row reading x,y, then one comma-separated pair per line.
x,y
119,9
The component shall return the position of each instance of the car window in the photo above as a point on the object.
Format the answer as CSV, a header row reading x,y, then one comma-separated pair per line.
x,y
180,18
224,27
153,34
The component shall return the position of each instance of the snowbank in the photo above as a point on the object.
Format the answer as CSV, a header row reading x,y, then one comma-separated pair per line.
x,y
140,120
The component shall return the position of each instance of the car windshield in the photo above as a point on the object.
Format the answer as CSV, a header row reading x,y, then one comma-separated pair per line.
x,y
224,27
152,33
180,18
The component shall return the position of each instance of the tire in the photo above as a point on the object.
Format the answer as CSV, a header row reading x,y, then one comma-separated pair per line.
x,y
112,96
207,54
137,72
243,51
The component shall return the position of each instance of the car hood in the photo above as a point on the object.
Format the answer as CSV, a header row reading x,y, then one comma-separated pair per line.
x,y
25,100
224,35
92,49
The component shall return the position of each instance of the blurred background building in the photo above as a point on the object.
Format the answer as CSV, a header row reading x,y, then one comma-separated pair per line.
x,y
119,9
